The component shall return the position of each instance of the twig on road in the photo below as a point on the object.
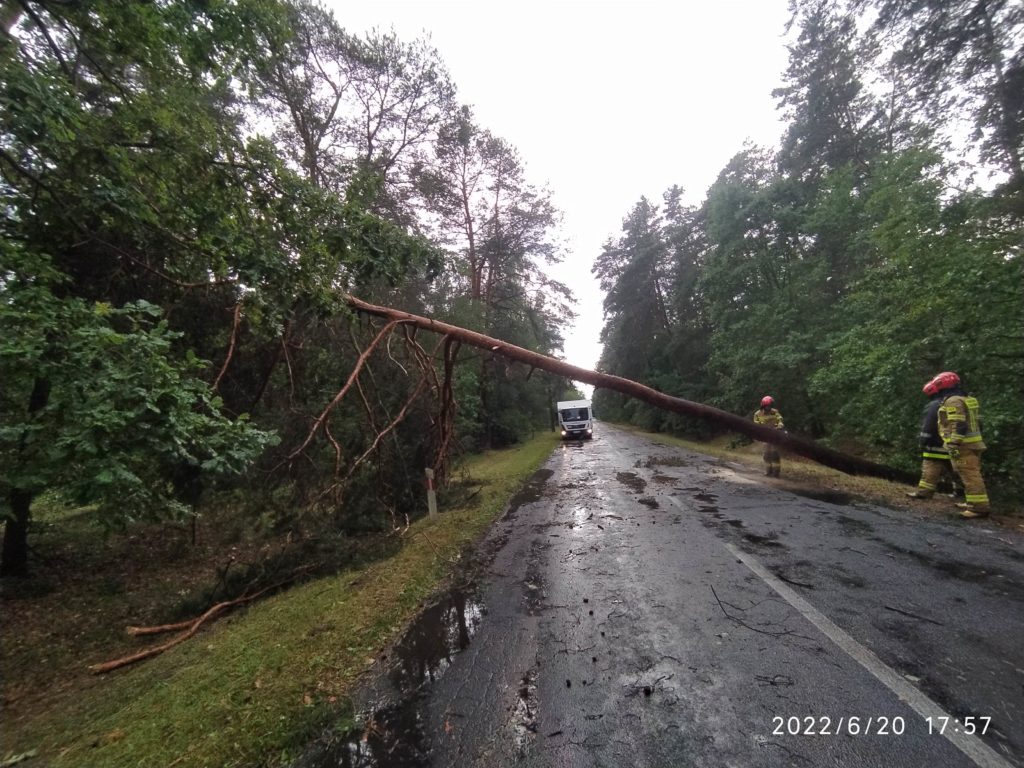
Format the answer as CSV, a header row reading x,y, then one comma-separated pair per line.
x,y
774,679
753,629
913,615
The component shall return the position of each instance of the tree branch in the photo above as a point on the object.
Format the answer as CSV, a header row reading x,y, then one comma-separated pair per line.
x,y
348,385
231,345
801,446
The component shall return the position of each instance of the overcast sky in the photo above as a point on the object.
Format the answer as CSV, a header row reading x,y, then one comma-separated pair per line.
x,y
605,101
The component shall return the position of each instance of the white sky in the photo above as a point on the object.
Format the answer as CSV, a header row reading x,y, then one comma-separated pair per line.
x,y
605,101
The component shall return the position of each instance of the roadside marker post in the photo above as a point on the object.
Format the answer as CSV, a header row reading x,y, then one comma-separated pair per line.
x,y
431,495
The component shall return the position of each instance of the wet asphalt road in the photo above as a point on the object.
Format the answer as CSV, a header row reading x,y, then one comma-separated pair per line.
x,y
647,606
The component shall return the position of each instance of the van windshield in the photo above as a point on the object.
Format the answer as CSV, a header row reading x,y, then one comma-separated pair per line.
x,y
575,414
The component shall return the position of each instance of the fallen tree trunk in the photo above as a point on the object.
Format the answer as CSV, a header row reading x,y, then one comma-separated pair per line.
x,y
798,445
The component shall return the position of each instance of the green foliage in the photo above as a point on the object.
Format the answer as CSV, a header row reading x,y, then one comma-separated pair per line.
x,y
124,419
841,273
571,393
146,230
959,58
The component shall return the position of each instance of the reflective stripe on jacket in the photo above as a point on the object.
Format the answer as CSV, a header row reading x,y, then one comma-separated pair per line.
x,y
770,419
960,422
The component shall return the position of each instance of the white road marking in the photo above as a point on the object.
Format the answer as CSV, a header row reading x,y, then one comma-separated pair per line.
x,y
982,755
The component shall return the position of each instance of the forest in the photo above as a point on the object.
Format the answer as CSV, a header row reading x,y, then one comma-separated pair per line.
x,y
879,244
191,189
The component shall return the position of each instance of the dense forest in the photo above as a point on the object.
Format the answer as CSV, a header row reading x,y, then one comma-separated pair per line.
x,y
190,189
879,244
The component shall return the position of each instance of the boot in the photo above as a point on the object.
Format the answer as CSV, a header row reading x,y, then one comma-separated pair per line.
x,y
971,512
919,494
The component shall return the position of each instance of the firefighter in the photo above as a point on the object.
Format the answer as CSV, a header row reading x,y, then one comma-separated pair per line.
x,y
934,456
768,416
959,427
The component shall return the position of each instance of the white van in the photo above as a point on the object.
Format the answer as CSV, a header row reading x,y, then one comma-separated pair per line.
x,y
576,419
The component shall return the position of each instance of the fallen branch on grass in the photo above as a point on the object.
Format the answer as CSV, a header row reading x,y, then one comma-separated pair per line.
x,y
192,626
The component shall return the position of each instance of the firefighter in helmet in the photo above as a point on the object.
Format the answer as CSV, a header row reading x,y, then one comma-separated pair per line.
x,y
959,426
768,416
934,456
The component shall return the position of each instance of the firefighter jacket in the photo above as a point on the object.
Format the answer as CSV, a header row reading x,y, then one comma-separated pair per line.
x,y
960,421
932,446
769,418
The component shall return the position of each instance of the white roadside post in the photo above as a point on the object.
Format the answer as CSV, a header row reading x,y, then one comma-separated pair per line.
x,y
431,496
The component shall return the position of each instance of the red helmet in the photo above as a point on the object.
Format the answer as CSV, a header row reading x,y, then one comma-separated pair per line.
x,y
767,401
944,380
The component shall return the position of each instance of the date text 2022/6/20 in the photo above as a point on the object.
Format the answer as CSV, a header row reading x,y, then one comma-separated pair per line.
x,y
877,725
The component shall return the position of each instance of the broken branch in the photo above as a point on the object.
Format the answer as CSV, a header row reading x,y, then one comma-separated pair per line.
x,y
348,384
193,627
231,345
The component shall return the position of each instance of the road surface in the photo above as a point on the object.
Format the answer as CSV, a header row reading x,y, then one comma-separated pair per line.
x,y
648,606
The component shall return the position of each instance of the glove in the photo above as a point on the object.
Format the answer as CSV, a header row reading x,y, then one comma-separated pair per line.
x,y
954,452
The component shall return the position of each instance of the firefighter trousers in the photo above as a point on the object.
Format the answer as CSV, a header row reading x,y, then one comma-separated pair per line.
x,y
968,466
932,471
773,459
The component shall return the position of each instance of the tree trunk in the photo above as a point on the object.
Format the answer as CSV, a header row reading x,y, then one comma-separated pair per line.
x,y
798,445
14,558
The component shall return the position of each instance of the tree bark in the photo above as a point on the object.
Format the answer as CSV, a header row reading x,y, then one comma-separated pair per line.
x,y
14,558
798,445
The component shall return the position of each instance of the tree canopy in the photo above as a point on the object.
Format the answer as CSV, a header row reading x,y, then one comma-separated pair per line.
x,y
188,189
844,269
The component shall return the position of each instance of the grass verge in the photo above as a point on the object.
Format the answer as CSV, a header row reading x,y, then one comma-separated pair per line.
x,y
252,688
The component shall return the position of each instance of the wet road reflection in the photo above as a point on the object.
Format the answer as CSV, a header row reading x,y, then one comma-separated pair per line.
x,y
394,734
614,623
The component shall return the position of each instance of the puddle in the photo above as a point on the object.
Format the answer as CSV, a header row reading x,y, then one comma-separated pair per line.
x,y
430,645
393,738
393,735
